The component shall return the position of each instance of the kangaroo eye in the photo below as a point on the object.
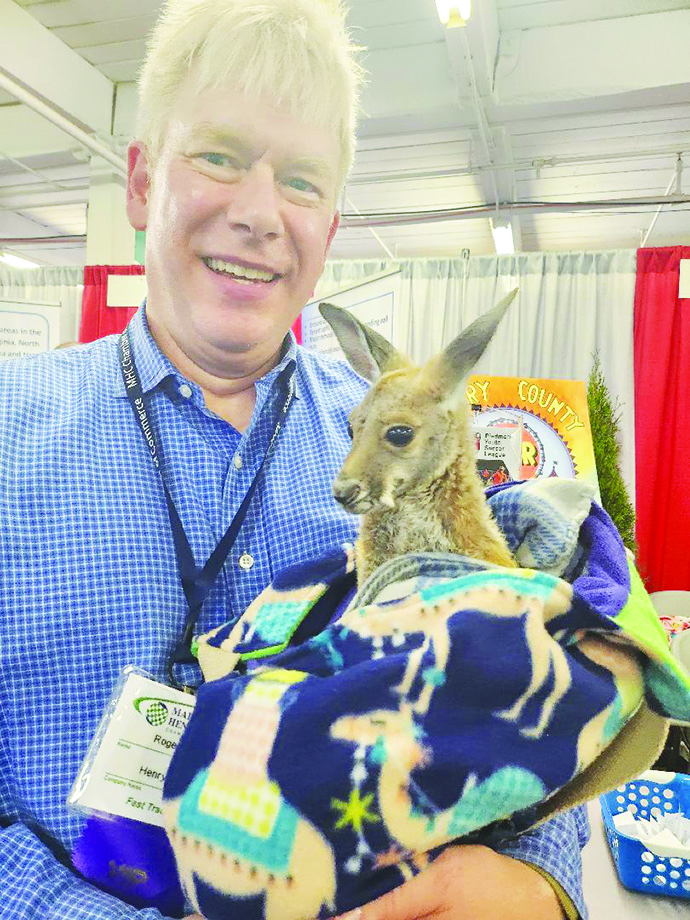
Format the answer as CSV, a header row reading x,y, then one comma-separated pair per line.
x,y
350,433
399,435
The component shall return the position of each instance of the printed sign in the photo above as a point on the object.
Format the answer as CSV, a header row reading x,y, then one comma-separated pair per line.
x,y
499,453
28,328
556,439
372,302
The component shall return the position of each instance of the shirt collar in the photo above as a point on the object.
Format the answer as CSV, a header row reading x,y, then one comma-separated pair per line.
x,y
154,367
288,352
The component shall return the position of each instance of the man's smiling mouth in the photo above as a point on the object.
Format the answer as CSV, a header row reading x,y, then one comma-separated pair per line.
x,y
241,273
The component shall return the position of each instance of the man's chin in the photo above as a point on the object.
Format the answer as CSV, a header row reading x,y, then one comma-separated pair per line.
x,y
234,356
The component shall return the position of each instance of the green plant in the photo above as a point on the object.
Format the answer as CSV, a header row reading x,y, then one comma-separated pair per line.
x,y
604,418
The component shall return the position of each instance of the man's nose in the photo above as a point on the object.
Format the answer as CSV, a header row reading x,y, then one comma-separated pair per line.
x,y
254,207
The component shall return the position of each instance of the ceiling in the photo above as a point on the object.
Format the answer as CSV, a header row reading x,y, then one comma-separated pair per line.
x,y
570,118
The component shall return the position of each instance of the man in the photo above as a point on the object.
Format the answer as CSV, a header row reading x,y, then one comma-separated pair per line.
x,y
246,136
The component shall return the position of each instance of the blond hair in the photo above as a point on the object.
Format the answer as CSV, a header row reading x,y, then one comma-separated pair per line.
x,y
298,54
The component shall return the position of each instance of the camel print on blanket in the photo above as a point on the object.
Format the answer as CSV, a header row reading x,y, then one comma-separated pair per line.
x,y
254,841
527,596
448,699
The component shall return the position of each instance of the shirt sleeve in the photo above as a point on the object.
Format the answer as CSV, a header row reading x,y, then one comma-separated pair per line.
x,y
35,884
555,848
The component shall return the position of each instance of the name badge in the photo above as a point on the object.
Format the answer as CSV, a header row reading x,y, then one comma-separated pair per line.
x,y
125,766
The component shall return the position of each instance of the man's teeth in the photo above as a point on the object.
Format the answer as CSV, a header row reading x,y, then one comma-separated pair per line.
x,y
239,271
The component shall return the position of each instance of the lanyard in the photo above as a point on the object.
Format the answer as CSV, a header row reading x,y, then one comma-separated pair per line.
x,y
196,582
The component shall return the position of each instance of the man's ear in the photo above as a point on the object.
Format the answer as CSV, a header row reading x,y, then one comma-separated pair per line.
x,y
138,185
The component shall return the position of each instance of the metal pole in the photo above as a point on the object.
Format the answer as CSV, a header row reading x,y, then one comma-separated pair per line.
x,y
60,121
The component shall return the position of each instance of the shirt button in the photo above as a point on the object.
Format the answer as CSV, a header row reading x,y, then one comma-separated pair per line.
x,y
237,460
246,562
185,390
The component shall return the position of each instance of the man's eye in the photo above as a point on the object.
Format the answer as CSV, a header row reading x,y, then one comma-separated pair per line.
x,y
399,435
301,185
218,159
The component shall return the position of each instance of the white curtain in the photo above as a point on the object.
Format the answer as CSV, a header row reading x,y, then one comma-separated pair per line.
x,y
48,285
569,305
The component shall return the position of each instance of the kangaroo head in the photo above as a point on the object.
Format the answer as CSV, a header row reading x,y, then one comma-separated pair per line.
x,y
414,422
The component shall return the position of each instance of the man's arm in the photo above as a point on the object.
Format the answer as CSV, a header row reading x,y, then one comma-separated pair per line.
x,y
35,884
477,883
555,848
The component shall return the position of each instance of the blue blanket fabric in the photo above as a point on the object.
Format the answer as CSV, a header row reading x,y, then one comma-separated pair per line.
x,y
446,701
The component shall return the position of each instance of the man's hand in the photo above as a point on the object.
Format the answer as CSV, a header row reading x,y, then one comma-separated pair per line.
x,y
468,883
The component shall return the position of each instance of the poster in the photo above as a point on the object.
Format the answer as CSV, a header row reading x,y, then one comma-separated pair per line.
x,y
371,301
499,453
28,328
551,417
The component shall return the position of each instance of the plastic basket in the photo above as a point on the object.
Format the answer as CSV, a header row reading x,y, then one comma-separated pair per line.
x,y
638,868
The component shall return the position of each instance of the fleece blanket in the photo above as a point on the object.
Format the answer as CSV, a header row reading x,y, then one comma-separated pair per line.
x,y
341,741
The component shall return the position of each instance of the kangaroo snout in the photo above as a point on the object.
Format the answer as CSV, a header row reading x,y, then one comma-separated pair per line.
x,y
349,493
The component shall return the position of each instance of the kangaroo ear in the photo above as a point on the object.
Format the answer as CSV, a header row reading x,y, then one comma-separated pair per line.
x,y
367,351
458,358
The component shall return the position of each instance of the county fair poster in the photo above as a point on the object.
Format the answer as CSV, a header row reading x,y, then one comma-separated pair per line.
x,y
552,415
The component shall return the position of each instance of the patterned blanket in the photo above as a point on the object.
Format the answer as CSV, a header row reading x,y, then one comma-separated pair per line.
x,y
341,741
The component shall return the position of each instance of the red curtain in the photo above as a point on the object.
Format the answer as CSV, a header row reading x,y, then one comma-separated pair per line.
x,y
97,318
662,420
297,329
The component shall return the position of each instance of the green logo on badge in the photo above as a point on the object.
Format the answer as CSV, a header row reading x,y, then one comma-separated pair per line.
x,y
157,713
153,710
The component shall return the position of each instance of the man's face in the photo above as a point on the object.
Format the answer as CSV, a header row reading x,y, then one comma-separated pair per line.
x,y
239,210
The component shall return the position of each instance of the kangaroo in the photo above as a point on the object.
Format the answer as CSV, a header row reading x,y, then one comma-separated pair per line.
x,y
411,473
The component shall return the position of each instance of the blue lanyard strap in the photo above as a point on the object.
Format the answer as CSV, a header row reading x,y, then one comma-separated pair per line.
x,y
196,582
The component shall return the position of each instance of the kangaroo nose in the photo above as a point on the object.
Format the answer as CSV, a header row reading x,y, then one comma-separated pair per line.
x,y
346,491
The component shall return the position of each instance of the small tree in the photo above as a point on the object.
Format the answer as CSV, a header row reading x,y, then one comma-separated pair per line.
x,y
604,418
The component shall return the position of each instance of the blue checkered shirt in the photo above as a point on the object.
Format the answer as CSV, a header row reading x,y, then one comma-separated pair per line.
x,y
89,574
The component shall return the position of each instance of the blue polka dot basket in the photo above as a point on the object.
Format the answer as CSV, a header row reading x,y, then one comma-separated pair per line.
x,y
639,868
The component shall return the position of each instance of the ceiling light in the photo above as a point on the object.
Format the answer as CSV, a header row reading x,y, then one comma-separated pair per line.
x,y
502,233
454,12
17,261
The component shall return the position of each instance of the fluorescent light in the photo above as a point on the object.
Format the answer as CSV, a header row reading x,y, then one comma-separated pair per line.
x,y
17,262
502,233
454,12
